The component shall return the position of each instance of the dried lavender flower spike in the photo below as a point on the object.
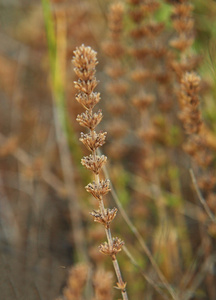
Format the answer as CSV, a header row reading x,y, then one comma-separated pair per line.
x,y
85,61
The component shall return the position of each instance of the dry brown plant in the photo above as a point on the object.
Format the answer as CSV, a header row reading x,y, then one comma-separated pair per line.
x,y
117,86
84,62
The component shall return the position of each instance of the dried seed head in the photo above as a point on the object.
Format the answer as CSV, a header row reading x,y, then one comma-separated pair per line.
x,y
89,120
107,219
84,62
121,286
88,101
189,100
94,163
98,190
86,87
93,140
114,249
190,83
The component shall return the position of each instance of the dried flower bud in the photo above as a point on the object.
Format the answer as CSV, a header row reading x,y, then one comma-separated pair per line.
x,y
114,249
98,190
93,140
188,97
94,163
90,120
107,219
84,62
86,87
190,83
88,101
121,286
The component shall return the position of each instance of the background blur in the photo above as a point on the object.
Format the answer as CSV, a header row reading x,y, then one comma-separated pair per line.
x,y
43,203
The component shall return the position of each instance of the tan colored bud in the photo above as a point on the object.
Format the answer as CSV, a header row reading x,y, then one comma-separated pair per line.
x,y
114,249
93,140
94,163
107,219
89,120
88,101
98,190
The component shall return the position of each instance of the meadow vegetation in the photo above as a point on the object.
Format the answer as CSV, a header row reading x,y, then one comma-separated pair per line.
x,y
107,149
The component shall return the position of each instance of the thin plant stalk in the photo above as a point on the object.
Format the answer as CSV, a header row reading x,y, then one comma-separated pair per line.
x,y
139,238
200,197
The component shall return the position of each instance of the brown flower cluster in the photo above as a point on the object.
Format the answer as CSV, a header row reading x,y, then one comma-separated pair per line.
x,y
191,118
183,23
84,66
145,48
77,281
117,86
197,145
189,100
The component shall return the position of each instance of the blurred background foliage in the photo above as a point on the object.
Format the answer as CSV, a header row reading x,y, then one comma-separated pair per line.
x,y
45,225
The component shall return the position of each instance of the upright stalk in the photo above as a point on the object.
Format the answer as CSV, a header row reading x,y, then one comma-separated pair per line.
x,y
84,66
